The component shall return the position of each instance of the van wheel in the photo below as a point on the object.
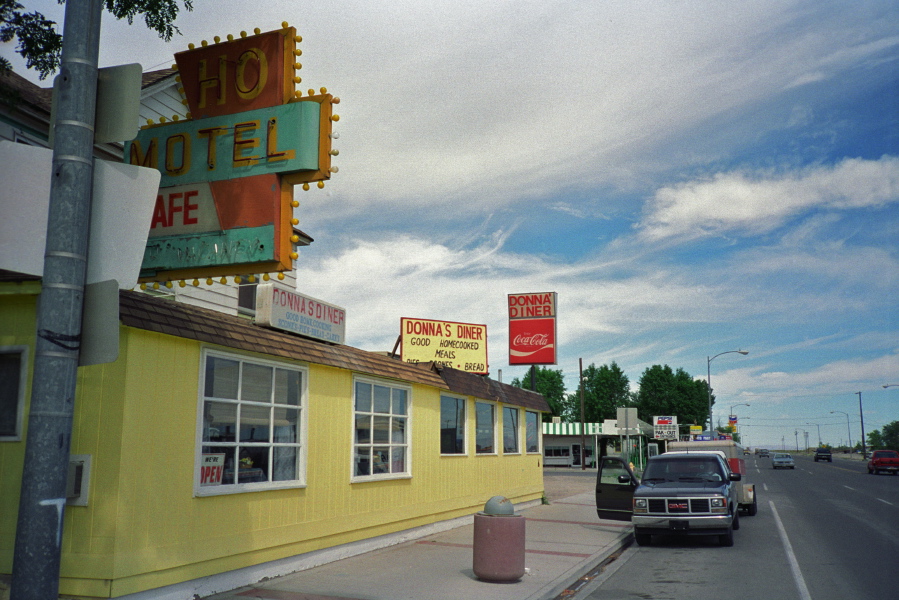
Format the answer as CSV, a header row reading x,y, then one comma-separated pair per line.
x,y
736,522
753,509
726,539
642,539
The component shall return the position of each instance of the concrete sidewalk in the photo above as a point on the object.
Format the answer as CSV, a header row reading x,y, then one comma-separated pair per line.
x,y
564,541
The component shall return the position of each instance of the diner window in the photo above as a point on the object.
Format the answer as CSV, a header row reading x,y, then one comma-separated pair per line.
x,y
246,298
13,363
252,426
452,425
380,431
510,430
485,428
531,429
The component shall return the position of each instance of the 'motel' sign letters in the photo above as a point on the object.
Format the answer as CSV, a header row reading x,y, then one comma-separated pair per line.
x,y
228,171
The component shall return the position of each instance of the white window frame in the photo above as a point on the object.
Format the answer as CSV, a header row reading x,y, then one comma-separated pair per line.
x,y
22,351
494,406
517,430
407,442
302,434
464,401
538,431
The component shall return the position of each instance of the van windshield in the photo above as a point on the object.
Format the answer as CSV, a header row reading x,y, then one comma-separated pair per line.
x,y
691,469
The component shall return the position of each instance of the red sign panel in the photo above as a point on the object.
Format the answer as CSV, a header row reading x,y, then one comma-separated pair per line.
x,y
532,329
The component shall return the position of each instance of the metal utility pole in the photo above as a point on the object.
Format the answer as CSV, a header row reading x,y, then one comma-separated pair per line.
x,y
583,425
861,413
39,529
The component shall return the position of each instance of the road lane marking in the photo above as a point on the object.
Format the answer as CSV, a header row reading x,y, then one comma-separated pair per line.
x,y
849,488
765,485
884,501
791,557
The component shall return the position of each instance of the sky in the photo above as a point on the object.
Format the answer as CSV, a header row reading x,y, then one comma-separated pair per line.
x,y
691,178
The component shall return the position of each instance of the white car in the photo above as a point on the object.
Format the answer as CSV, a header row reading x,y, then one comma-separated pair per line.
x,y
782,461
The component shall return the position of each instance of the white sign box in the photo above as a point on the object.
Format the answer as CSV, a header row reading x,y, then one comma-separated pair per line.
x,y
283,309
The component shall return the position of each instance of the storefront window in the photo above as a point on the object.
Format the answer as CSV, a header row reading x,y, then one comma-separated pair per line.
x,y
380,431
531,429
12,392
510,430
251,425
452,425
485,426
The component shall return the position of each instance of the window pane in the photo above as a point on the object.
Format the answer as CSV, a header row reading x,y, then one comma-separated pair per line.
x,y
399,431
285,426
363,396
510,429
256,385
10,369
284,463
484,425
254,423
399,402
221,378
363,429
398,464
380,460
381,430
452,425
531,424
363,461
382,399
253,464
219,422
288,386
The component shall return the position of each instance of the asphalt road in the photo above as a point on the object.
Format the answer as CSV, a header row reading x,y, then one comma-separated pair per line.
x,y
824,531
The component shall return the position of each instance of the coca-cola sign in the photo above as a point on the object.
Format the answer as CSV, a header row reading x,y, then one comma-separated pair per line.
x,y
532,329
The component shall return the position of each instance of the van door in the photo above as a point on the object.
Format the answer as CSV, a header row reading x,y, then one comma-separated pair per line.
x,y
615,485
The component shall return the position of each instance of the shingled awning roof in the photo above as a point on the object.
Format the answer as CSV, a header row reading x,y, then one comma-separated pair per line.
x,y
161,315
470,384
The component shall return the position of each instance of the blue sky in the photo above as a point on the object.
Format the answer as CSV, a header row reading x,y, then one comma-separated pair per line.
x,y
690,178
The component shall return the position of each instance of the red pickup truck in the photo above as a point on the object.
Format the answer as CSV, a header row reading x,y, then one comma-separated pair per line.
x,y
884,460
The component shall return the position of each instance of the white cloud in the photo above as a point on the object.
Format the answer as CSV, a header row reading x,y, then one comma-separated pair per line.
x,y
750,204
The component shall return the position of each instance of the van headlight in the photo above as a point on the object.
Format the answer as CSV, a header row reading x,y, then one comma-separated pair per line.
x,y
719,505
640,505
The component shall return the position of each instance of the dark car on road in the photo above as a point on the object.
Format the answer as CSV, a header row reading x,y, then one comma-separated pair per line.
x,y
678,494
823,454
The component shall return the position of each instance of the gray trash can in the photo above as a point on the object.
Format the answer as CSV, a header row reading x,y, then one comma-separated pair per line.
x,y
499,539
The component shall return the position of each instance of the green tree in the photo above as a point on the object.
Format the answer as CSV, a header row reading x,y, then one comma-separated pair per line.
x,y
890,436
550,383
40,44
606,388
888,439
664,391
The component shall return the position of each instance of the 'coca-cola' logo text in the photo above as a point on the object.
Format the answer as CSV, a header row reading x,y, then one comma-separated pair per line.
x,y
537,339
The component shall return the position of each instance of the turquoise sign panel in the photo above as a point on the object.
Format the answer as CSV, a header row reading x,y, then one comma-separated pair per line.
x,y
280,139
234,246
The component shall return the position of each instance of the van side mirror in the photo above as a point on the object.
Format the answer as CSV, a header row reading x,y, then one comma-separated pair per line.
x,y
735,477
624,479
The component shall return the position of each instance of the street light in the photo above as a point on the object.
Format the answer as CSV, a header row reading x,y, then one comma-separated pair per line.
x,y
848,428
886,385
819,432
709,360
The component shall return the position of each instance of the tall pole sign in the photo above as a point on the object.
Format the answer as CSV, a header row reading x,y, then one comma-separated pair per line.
x,y
532,329
225,204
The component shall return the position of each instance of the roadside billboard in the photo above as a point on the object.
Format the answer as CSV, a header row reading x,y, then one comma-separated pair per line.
x,y
665,428
461,346
225,203
532,329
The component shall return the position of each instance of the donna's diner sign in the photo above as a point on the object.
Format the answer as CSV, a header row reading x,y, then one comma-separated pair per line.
x,y
461,346
225,204
532,328
282,309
